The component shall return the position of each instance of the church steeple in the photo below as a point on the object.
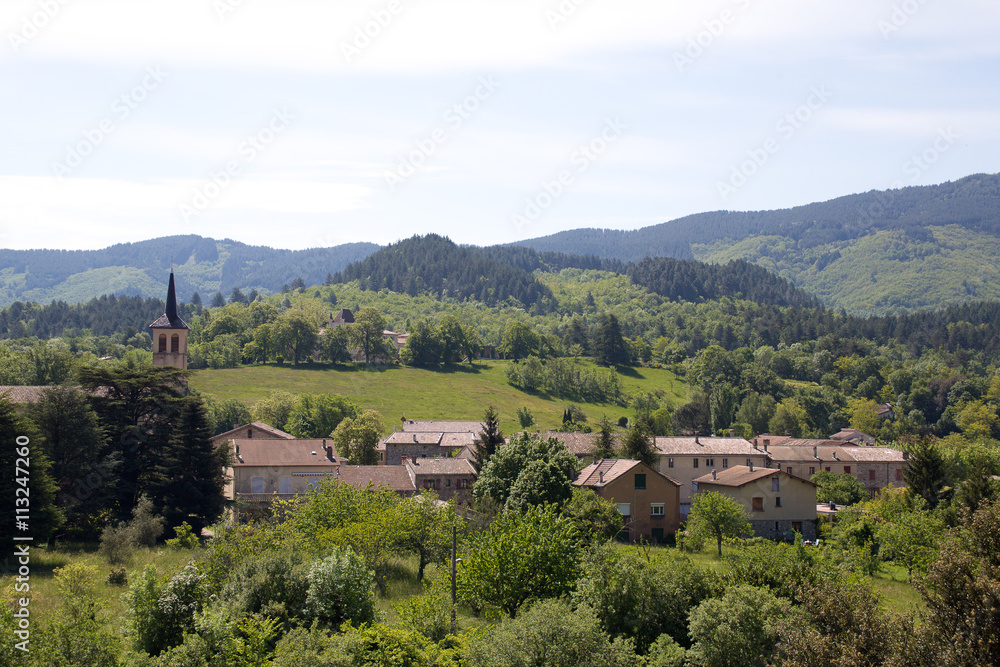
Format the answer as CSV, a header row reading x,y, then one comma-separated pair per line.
x,y
170,333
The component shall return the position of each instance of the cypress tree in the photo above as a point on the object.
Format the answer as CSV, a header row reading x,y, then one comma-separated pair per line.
x,y
489,438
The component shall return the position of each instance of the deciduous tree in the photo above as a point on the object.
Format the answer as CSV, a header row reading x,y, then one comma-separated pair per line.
x,y
717,516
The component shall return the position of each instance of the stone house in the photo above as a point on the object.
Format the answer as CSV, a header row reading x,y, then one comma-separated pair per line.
x,y
263,470
647,499
449,478
415,445
778,504
687,458
874,467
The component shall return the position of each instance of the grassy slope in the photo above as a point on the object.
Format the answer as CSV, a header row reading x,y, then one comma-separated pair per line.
x,y
885,272
453,392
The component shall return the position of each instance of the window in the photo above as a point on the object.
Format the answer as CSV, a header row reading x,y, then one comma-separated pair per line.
x,y
447,482
694,487
725,463
175,343
709,463
812,471
670,463
847,470
640,481
871,475
462,484
827,468
777,501
789,470
777,527
775,484
257,485
696,462
757,504
163,343
656,509
899,474
285,485
624,509
797,526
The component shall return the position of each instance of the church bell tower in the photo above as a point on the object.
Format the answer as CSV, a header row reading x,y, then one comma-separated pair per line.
x,y
170,334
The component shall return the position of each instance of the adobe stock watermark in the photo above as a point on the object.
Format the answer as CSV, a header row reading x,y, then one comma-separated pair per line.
x,y
370,30
121,109
33,24
223,8
455,116
562,12
901,14
705,38
248,150
581,158
915,166
785,128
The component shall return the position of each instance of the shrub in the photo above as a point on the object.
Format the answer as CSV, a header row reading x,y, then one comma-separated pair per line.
x,y
185,537
341,589
118,577
117,544
428,614
145,526
272,583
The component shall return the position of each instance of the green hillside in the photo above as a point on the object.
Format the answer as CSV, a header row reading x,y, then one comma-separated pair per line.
x,y
455,392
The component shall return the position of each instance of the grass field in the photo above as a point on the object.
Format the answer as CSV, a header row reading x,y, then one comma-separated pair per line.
x,y
455,391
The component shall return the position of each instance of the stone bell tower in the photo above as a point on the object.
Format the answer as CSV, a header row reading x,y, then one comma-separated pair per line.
x,y
170,334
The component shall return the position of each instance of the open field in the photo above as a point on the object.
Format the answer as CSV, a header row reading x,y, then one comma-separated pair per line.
x,y
455,391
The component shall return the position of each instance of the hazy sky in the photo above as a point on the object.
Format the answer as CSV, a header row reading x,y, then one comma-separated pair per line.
x,y
300,124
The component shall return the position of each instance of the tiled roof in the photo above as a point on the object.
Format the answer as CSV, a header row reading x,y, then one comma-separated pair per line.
x,y
852,435
579,444
419,438
277,433
612,469
771,439
449,466
829,450
701,446
396,478
886,454
23,394
742,475
267,453
431,426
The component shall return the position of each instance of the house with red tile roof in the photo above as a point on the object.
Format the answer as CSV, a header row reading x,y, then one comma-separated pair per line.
x,y
647,499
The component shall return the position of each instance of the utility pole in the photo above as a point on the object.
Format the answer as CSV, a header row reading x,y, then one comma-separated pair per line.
x,y
454,561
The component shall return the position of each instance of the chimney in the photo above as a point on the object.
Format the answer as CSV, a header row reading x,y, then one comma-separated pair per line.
x,y
714,475
403,461
414,437
237,450
751,465
815,452
600,477
767,442
732,433
833,506
696,439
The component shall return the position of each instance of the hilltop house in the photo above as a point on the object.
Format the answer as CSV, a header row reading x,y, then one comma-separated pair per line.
x,y
647,499
777,502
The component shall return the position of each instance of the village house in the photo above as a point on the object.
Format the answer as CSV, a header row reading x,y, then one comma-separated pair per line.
x,y
414,445
395,478
778,504
687,458
449,478
875,467
255,429
648,500
580,445
264,470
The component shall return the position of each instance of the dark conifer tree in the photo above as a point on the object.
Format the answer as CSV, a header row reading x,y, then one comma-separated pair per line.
x,y
218,300
609,345
489,438
639,445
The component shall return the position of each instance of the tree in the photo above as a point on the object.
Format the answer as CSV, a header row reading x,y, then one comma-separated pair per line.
x,y
188,479
238,297
274,409
910,540
788,418
333,345
524,417
757,411
639,446
423,345
539,483
427,528
534,555
26,481
843,489
498,477
341,589
740,629
366,332
218,301
596,519
454,346
318,415
925,473
717,516
227,415
518,340
82,462
295,334
489,438
357,438
604,445
862,414
609,344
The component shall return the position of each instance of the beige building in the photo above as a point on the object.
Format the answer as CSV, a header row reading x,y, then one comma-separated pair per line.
x,y
264,470
647,499
778,504
874,467
687,458
258,430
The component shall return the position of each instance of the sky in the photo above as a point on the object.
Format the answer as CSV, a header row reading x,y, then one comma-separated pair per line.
x,y
297,124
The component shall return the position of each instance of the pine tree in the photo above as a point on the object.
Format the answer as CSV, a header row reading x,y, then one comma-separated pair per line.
x,y
604,446
187,481
925,473
608,343
489,438
639,446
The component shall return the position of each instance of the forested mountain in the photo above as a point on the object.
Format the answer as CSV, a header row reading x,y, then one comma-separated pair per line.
x,y
688,280
435,265
201,265
877,252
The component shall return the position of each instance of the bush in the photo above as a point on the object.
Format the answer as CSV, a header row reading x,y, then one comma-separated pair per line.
x,y
145,526
117,544
118,577
186,539
341,589
665,652
524,417
272,583
428,614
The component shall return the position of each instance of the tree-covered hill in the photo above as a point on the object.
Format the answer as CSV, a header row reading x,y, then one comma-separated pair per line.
x,y
437,266
201,264
876,252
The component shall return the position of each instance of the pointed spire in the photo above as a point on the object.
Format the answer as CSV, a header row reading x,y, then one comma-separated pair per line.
x,y
171,299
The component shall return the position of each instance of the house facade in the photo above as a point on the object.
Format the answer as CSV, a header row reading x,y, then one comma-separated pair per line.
x,y
258,430
450,478
648,500
874,467
264,470
416,445
777,503
688,458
